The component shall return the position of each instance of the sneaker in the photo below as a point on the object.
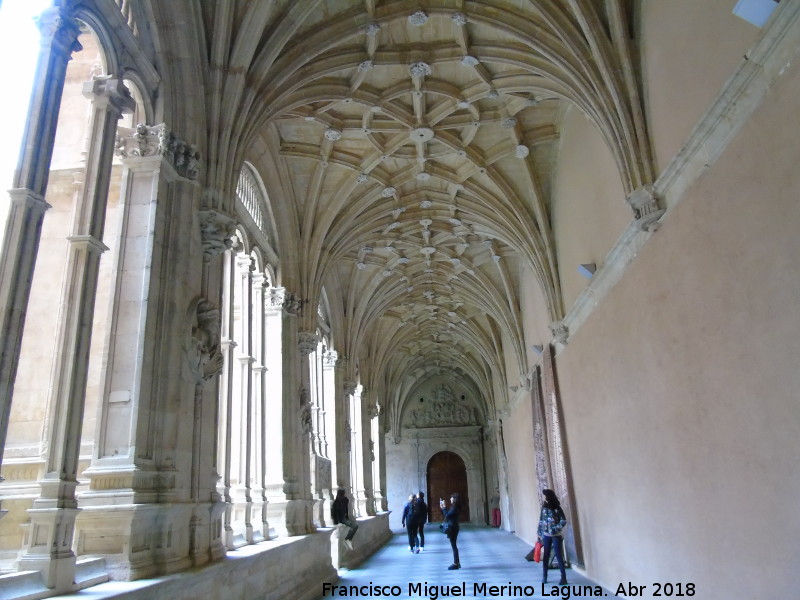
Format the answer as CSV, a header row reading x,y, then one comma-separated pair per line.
x,y
416,550
453,567
421,549
349,544
411,550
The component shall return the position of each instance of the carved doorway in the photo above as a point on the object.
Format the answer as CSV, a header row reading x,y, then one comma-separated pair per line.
x,y
447,474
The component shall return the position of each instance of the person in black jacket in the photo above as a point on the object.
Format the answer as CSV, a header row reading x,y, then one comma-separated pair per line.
x,y
451,526
410,523
421,517
552,521
340,513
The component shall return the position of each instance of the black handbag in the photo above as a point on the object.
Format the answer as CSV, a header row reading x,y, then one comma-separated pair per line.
x,y
445,527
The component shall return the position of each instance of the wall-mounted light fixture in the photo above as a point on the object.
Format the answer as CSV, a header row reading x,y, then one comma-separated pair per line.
x,y
587,270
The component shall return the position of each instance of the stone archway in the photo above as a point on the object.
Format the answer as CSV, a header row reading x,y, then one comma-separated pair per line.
x,y
446,473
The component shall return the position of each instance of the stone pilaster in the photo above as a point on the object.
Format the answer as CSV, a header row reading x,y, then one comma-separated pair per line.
x,y
259,371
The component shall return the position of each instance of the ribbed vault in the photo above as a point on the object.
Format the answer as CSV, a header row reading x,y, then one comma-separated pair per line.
x,y
416,146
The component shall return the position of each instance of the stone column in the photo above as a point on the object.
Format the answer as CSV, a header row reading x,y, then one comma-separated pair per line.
x,y
343,389
243,412
258,429
273,418
54,512
296,422
366,494
307,343
24,225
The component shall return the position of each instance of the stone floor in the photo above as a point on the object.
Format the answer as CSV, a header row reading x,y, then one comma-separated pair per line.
x,y
488,556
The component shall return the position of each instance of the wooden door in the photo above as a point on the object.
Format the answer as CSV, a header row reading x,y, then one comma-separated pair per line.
x,y
447,474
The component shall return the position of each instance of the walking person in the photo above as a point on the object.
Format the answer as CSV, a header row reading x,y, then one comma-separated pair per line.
x,y
340,513
410,523
552,521
421,516
450,526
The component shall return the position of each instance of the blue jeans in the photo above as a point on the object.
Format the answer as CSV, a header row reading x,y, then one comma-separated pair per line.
x,y
352,525
557,543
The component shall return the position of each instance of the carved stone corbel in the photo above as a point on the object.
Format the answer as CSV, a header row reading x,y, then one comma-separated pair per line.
x,y
307,342
646,208
202,346
216,232
560,332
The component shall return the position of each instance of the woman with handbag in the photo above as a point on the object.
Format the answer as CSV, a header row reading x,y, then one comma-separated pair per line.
x,y
450,526
552,521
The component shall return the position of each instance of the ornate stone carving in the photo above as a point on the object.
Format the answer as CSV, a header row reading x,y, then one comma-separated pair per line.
x,y
349,388
560,332
469,61
459,18
522,151
307,342
645,207
333,134
157,140
348,436
330,359
216,232
305,412
372,29
508,123
202,347
419,69
292,304
442,411
418,18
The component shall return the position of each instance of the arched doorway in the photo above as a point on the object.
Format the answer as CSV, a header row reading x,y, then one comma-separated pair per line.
x,y
447,474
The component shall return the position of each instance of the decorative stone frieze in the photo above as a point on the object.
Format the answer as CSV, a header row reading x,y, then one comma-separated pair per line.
x,y
646,208
216,232
202,347
158,140
442,411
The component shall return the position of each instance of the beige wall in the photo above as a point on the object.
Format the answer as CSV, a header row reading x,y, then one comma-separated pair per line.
x,y
680,391
518,435
690,50
589,203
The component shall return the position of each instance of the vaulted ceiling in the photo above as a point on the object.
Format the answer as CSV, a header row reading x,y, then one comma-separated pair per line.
x,y
415,145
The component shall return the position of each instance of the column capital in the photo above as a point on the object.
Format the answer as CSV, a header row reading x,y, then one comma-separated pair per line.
x,y
103,89
29,200
59,29
349,388
158,140
330,359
